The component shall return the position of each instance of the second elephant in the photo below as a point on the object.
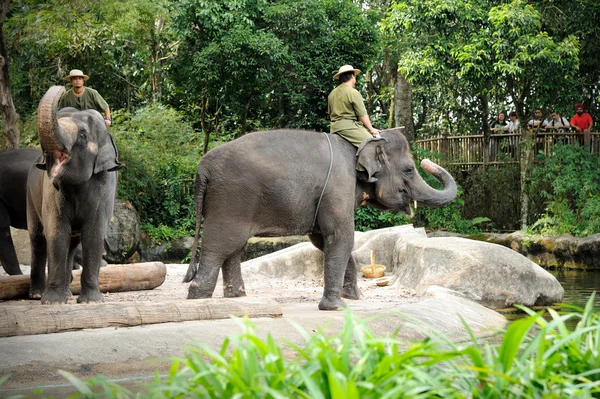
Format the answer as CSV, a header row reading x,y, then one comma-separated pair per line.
x,y
290,182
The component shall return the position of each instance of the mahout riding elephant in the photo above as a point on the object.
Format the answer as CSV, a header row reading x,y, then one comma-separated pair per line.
x,y
14,167
289,182
70,199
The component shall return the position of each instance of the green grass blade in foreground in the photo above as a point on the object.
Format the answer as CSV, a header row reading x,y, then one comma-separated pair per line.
x,y
513,338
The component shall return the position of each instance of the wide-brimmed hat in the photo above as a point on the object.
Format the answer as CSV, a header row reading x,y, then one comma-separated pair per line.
x,y
344,69
76,73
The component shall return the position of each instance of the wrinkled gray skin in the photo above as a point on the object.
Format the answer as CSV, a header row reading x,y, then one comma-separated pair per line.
x,y
70,199
14,168
268,184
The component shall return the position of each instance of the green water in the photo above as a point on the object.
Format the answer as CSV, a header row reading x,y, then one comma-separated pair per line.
x,y
579,286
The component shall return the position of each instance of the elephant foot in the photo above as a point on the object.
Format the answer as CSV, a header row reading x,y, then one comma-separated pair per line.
x,y
36,292
195,292
331,303
90,296
352,292
230,292
54,297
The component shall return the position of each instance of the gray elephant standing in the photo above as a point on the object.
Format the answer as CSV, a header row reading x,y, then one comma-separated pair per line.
x,y
290,182
70,199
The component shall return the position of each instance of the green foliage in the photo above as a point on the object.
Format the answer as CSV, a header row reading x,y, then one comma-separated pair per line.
x,y
449,217
368,218
161,153
568,181
463,55
492,192
254,64
536,358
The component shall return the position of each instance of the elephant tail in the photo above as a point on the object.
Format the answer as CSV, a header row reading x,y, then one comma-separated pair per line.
x,y
200,189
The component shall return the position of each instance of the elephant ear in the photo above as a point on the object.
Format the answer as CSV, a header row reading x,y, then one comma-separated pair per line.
x,y
371,155
107,157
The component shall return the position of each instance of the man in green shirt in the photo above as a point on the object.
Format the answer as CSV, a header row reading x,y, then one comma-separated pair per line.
x,y
348,114
82,97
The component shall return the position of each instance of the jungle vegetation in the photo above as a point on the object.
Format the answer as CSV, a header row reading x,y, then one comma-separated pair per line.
x,y
184,76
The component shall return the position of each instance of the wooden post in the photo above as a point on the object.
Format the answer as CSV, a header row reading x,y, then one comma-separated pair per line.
x,y
113,278
587,138
445,145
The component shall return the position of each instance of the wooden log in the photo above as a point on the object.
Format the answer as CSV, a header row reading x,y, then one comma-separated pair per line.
x,y
37,319
112,278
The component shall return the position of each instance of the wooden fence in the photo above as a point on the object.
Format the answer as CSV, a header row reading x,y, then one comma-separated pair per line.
x,y
468,151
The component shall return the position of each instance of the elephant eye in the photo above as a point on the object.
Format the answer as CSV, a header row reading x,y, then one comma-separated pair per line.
x,y
409,172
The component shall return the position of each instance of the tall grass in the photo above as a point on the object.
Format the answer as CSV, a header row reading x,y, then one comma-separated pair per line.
x,y
535,358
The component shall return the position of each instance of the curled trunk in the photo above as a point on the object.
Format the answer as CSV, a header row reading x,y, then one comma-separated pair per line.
x,y
425,195
48,127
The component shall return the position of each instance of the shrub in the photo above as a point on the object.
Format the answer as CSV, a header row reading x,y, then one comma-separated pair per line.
x,y
161,152
568,181
536,358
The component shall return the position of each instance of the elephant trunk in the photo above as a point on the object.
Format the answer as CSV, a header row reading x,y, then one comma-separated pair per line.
x,y
428,196
48,128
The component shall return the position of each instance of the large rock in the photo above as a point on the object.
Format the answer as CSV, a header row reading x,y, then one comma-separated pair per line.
x,y
489,274
123,237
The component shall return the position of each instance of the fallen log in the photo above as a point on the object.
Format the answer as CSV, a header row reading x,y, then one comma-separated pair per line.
x,y
112,278
37,319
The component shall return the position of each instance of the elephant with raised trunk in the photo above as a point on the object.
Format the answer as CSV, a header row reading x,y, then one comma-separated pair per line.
x,y
289,182
70,199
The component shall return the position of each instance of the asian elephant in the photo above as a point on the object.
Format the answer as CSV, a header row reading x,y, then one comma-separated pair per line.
x,y
70,199
14,167
288,182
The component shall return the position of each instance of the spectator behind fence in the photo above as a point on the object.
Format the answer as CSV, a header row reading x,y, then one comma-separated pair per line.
x,y
500,124
536,122
513,124
582,121
558,124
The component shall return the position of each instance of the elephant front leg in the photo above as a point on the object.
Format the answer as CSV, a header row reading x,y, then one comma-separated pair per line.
x,y
350,289
233,284
8,256
59,277
336,254
38,265
92,247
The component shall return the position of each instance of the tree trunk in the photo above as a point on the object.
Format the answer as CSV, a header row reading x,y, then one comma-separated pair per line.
x,y
30,319
113,278
403,115
11,118
527,154
485,112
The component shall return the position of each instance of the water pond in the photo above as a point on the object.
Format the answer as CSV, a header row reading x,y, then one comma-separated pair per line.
x,y
579,286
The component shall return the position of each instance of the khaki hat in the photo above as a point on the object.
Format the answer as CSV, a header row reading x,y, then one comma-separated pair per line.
x,y
346,68
74,73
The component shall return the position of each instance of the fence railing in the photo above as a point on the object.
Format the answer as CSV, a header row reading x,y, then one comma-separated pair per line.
x,y
469,151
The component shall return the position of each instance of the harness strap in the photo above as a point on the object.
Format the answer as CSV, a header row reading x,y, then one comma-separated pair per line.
x,y
326,181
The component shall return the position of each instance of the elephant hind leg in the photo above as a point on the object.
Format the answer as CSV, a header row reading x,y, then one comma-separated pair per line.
x,y
233,283
350,289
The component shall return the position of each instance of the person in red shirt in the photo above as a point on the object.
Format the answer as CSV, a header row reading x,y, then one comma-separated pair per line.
x,y
582,121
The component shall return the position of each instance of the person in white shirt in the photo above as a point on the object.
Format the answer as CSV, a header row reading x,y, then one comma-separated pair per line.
x,y
558,123
513,124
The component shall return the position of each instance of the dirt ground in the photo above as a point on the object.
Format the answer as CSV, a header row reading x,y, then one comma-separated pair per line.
x,y
284,291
